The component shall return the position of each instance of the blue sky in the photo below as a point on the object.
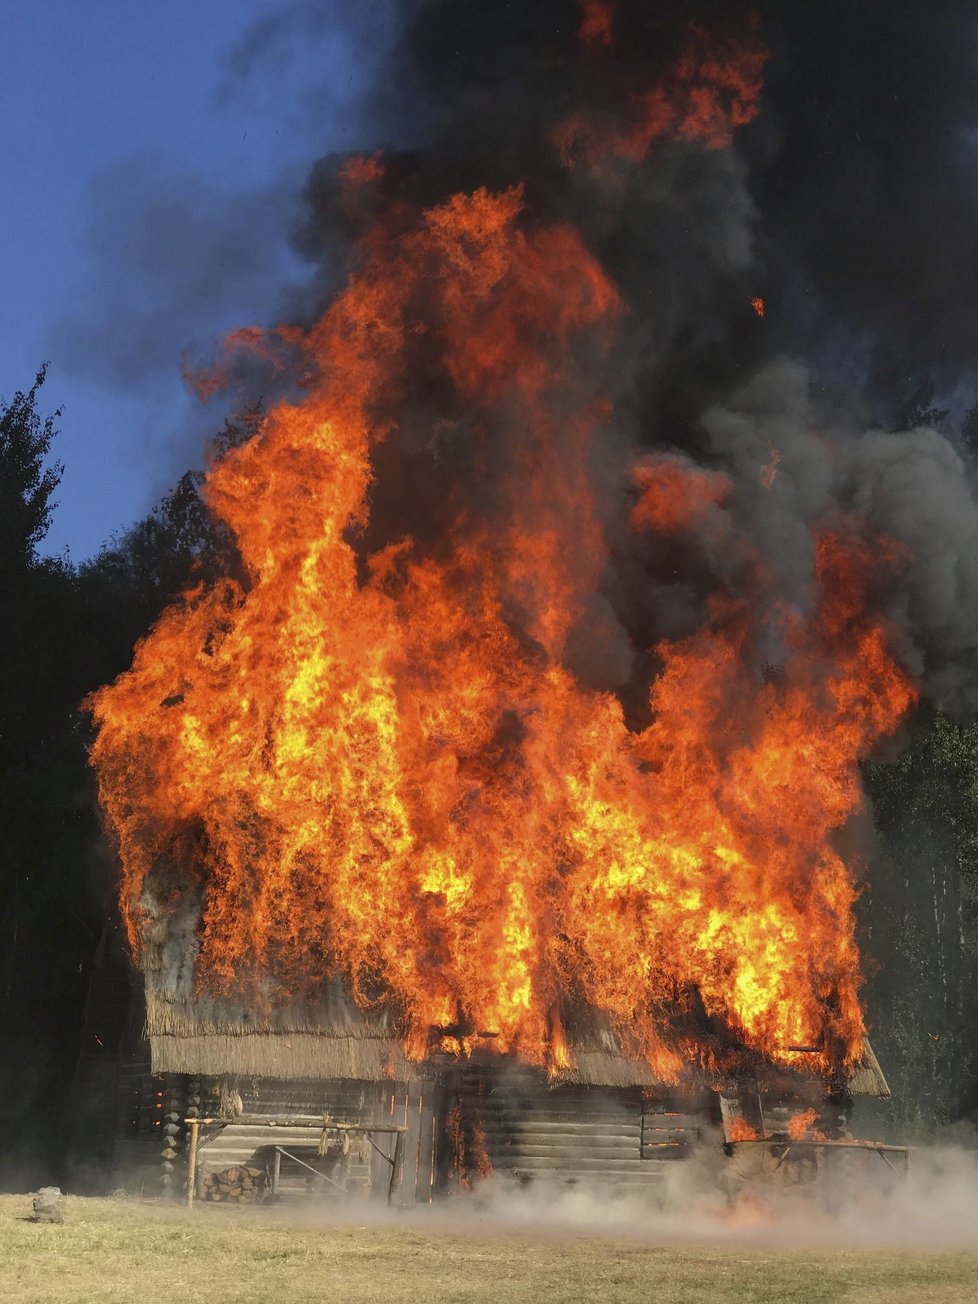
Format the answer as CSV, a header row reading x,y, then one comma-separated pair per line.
x,y
151,156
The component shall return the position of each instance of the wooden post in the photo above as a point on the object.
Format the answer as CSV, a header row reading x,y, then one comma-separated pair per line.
x,y
276,1170
396,1162
412,1145
192,1162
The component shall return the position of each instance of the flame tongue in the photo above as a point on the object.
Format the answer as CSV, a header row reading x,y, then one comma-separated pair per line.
x,y
385,767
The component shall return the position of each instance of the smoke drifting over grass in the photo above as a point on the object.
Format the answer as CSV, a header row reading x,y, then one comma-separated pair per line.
x,y
262,1257
935,1208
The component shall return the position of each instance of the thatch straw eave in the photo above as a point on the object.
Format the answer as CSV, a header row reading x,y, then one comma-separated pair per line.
x,y
335,1039
298,1055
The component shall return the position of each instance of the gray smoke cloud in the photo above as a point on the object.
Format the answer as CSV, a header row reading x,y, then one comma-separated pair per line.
x,y
174,258
864,168
912,487
915,487
826,206
815,208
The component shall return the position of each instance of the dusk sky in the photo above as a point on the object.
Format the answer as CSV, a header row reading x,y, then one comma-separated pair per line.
x,y
151,158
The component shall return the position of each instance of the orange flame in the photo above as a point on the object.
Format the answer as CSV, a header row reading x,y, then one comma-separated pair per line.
x,y
770,469
759,306
673,496
801,1126
362,170
713,88
597,22
382,767
246,340
741,1130
560,1058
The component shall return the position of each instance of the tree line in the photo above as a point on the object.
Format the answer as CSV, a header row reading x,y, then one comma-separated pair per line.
x,y
67,629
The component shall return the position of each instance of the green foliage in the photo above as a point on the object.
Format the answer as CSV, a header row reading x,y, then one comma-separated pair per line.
x,y
67,631
969,430
26,484
179,544
921,924
917,408
47,824
934,782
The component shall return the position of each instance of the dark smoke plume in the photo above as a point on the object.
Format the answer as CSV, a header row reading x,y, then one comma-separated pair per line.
x,y
861,165
846,205
864,170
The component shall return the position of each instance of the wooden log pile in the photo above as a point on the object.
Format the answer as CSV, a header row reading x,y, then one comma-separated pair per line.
x,y
239,1184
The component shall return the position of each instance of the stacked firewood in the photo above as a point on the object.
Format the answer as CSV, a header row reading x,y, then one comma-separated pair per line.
x,y
239,1184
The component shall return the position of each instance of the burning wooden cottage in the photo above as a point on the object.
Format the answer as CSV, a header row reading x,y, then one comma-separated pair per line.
x,y
501,720
255,1095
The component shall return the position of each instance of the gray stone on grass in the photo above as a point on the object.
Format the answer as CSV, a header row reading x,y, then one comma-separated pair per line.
x,y
49,1205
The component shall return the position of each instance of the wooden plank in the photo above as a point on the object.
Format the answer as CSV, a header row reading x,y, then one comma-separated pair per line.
x,y
413,1104
397,1167
741,1112
192,1162
427,1146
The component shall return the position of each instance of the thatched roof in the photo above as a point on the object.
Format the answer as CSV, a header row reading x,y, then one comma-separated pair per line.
x,y
607,1068
333,1038
338,1041
213,1037
254,1034
282,1055
867,1077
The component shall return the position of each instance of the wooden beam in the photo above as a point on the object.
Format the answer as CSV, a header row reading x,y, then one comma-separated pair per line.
x,y
396,1164
192,1162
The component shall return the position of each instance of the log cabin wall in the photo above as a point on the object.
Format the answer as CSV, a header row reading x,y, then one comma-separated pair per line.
x,y
415,1107
149,1155
506,1119
149,1109
521,1128
607,1125
473,1122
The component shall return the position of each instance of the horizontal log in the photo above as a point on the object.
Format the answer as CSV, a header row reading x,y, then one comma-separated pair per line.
x,y
559,1152
580,1164
641,1179
297,1120
548,1123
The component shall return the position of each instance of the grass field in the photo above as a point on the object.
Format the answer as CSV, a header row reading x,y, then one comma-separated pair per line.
x,y
108,1250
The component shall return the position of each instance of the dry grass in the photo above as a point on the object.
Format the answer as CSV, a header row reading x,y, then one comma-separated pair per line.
x,y
110,1250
